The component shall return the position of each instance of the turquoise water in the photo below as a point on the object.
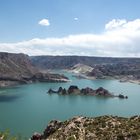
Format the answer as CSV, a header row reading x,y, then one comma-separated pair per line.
x,y
28,108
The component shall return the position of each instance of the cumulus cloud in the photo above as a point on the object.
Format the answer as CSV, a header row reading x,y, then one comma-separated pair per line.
x,y
120,38
115,23
44,22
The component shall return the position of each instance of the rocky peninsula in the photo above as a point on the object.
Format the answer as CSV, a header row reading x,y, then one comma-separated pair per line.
x,y
73,89
98,128
17,69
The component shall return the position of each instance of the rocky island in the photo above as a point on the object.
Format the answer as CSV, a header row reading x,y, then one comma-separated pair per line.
x,y
17,69
85,91
98,128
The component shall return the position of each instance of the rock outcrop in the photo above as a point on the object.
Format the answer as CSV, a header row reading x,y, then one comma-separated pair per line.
x,y
18,69
122,96
98,128
85,91
81,69
73,89
49,77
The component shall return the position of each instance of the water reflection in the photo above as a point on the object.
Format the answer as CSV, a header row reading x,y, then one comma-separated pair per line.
x,y
8,98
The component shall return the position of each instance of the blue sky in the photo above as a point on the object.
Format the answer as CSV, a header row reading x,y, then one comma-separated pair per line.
x,y
70,22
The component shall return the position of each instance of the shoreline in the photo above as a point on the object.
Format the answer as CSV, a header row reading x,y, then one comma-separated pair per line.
x,y
130,81
120,78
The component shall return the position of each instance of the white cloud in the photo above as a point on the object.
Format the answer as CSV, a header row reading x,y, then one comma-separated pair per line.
x,y
44,22
120,38
76,18
115,23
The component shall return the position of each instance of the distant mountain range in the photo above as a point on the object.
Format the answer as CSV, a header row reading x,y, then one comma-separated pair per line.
x,y
64,62
124,69
21,68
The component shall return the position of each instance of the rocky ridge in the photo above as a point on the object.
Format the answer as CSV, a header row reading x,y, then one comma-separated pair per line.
x,y
98,128
18,69
67,62
124,69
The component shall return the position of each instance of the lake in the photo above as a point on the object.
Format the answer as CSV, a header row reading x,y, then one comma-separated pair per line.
x,y
27,109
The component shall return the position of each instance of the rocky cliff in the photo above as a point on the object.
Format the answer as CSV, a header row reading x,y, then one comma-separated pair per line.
x,y
99,128
18,69
64,62
125,69
15,65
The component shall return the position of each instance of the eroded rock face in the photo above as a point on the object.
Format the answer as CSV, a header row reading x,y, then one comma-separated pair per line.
x,y
124,69
81,69
17,69
99,128
52,127
15,65
48,77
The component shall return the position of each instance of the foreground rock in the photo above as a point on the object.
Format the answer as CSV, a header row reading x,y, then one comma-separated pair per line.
x,y
99,128
17,69
85,91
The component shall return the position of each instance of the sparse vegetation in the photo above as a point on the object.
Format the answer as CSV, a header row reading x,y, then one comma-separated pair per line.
x,y
99,128
5,135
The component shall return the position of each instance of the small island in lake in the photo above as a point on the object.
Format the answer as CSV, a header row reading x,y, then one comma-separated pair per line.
x,y
85,91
